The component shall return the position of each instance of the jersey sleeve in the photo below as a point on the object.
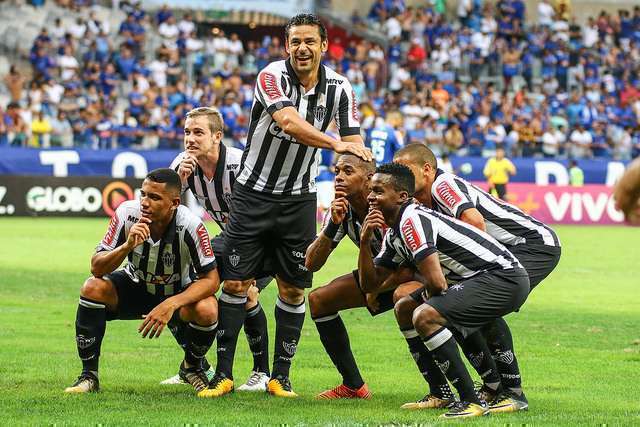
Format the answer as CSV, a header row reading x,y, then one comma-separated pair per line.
x,y
450,195
116,233
418,235
270,91
175,165
200,249
389,257
347,118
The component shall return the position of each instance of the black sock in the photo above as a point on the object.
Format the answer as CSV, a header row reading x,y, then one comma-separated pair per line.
x,y
335,340
498,336
178,329
445,352
231,314
255,328
198,341
478,354
289,321
91,322
438,385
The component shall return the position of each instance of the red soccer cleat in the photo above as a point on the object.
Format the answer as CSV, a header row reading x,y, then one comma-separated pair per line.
x,y
344,392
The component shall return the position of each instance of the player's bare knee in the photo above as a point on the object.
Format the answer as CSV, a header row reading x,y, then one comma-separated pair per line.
x,y
236,287
291,294
316,305
96,289
205,312
424,317
403,310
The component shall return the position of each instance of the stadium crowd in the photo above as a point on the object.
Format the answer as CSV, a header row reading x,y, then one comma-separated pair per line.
x,y
463,85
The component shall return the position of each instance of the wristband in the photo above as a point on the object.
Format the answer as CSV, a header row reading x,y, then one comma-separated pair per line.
x,y
331,229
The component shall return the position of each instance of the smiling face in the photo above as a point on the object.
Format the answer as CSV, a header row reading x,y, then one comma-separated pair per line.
x,y
157,202
305,48
198,138
385,197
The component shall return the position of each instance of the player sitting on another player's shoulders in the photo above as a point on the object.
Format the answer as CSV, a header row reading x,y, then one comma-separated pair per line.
x,y
170,277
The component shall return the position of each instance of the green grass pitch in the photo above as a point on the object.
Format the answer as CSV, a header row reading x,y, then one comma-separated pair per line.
x,y
577,338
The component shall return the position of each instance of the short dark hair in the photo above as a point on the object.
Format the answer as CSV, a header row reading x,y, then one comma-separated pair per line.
x,y
166,176
419,154
306,19
401,176
367,166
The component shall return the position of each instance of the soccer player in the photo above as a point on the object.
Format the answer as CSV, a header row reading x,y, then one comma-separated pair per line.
x,y
535,244
497,170
170,277
470,278
384,140
627,193
345,218
208,169
273,207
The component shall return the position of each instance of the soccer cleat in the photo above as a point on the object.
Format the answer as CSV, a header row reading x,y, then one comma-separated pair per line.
x,y
344,392
218,386
257,382
196,376
509,402
177,380
486,394
429,402
466,410
86,383
280,387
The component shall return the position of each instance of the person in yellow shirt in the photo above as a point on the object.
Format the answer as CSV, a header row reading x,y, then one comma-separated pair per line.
x,y
40,131
497,171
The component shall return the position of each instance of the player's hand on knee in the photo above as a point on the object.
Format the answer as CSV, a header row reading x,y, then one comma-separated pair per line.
x,y
157,319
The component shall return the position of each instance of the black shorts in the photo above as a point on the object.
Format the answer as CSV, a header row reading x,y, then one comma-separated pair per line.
x,y
133,298
263,277
472,303
539,260
385,299
261,226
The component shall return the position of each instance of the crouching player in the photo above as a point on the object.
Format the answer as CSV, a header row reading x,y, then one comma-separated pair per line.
x,y
170,277
471,279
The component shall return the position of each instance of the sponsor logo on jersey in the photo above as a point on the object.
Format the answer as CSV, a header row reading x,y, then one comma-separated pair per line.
x,y
447,194
111,231
203,241
411,235
269,85
334,81
354,107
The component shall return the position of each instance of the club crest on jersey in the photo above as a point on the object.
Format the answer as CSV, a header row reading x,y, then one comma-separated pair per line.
x,y
269,85
447,194
411,235
168,259
320,111
234,259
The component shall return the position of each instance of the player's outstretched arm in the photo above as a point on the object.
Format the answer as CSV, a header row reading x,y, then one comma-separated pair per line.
x,y
627,193
105,262
157,319
292,124
430,269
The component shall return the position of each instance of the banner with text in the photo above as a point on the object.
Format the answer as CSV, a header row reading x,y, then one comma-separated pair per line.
x,y
72,196
591,204
122,163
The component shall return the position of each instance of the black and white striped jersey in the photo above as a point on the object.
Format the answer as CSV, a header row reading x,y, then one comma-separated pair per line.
x,y
169,265
275,163
352,227
506,223
214,195
463,250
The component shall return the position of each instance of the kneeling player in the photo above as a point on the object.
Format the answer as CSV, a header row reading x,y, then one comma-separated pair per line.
x,y
483,279
170,277
345,218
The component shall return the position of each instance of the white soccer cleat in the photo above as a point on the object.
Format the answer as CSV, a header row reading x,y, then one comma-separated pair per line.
x,y
173,380
257,382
